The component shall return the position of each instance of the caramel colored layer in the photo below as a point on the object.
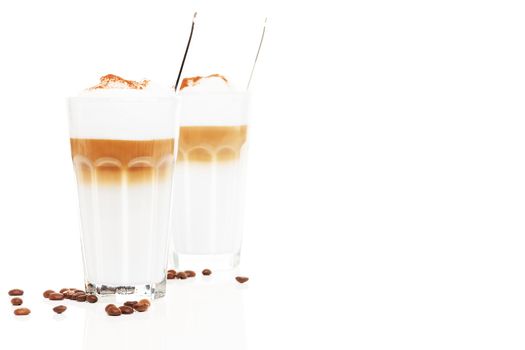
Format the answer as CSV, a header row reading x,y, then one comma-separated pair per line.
x,y
211,143
118,161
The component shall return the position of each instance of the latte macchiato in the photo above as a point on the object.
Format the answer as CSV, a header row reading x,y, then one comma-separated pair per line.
x,y
123,145
209,174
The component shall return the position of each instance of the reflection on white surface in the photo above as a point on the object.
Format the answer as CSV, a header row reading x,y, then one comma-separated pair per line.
x,y
200,313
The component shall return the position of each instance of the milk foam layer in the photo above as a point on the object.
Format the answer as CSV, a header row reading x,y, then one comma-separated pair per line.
x,y
214,109
123,113
212,101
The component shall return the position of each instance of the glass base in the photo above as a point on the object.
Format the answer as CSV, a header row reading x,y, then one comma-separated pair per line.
x,y
118,293
206,261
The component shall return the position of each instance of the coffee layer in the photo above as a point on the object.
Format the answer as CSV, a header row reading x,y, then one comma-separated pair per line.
x,y
211,143
117,161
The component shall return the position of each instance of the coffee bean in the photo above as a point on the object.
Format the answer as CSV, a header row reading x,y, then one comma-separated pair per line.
x,y
79,295
182,275
206,272
108,306
22,311
145,301
16,292
113,311
48,292
241,279
171,275
59,309
172,271
130,303
190,273
56,296
140,307
81,298
91,298
64,290
16,301
126,310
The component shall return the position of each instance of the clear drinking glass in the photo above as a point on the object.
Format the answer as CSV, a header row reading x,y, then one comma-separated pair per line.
x,y
209,180
209,176
123,150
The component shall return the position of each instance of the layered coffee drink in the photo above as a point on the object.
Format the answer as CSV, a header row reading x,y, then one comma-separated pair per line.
x,y
209,174
123,142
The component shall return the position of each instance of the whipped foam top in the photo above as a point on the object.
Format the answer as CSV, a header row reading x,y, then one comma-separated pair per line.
x,y
211,83
121,109
211,101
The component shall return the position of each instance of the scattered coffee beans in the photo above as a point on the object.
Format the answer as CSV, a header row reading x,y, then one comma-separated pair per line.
x,y
16,292
241,279
206,272
48,292
91,299
171,274
16,301
126,310
22,311
181,275
190,273
56,296
59,309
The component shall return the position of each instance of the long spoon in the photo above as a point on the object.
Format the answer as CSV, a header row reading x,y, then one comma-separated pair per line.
x,y
186,52
257,55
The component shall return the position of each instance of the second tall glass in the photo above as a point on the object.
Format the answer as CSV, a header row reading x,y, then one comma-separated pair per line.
x,y
209,180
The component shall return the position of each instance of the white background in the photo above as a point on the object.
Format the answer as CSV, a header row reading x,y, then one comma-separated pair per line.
x,y
386,178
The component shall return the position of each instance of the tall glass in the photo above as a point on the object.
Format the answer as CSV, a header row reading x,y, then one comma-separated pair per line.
x,y
209,180
123,150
